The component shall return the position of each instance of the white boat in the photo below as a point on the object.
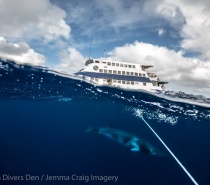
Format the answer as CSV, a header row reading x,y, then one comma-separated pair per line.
x,y
123,75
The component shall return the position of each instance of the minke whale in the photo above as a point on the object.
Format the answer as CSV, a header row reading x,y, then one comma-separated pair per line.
x,y
132,142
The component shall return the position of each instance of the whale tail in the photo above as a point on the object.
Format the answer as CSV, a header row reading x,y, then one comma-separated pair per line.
x,y
147,148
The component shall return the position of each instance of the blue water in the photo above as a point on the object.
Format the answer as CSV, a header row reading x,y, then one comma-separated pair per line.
x,y
43,118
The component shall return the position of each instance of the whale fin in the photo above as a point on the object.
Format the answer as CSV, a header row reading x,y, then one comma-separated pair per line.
x,y
134,148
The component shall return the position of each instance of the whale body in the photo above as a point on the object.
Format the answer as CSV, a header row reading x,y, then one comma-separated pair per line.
x,y
132,142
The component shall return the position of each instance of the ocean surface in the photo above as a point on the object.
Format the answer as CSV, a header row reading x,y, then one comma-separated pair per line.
x,y
44,116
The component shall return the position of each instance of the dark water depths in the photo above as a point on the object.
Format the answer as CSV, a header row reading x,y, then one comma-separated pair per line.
x,y
43,118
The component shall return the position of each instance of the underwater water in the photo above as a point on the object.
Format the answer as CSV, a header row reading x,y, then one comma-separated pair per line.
x,y
44,116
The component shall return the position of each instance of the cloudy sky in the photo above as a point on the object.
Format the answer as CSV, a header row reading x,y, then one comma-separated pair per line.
x,y
174,36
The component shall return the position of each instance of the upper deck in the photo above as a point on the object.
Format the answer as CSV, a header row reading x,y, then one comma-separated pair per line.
x,y
117,64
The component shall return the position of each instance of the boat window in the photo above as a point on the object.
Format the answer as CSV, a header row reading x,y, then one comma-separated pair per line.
x,y
144,75
113,64
123,72
123,82
109,80
136,74
134,66
108,63
105,71
140,74
117,64
121,65
132,83
119,81
114,81
144,84
114,72
110,71
97,61
96,80
127,73
125,65
119,72
129,66
95,68
132,73
128,82
154,83
136,83
90,61
151,75
101,70
104,62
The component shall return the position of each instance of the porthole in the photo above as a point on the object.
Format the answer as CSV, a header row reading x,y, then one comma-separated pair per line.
x,y
95,68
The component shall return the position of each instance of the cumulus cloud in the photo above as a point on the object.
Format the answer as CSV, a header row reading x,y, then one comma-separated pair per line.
x,y
196,31
71,61
20,52
171,13
31,19
183,73
192,19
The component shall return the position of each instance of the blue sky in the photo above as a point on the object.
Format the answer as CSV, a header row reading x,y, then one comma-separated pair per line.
x,y
172,36
105,26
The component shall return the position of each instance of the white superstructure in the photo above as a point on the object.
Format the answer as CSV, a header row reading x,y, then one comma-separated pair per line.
x,y
120,74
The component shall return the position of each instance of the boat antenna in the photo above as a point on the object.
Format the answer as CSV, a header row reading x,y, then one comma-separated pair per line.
x,y
90,48
176,159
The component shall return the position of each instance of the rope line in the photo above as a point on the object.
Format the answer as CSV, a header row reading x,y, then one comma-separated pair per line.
x,y
185,170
